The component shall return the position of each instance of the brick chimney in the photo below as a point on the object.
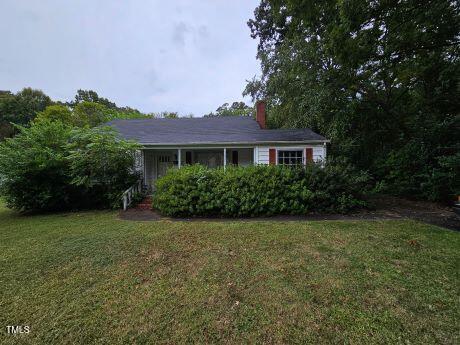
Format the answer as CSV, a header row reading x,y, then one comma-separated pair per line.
x,y
260,114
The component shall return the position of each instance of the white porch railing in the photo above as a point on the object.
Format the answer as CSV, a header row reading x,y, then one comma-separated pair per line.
x,y
127,196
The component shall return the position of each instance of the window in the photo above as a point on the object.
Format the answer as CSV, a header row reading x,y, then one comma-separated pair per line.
x,y
290,158
164,159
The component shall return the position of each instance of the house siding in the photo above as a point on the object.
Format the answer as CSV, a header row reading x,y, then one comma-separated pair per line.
x,y
319,153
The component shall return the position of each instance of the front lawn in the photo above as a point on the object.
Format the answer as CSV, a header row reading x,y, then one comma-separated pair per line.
x,y
90,277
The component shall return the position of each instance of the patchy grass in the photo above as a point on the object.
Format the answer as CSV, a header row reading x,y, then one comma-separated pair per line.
x,y
91,278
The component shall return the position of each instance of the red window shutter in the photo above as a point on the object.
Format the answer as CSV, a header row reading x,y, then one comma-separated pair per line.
x,y
308,155
272,156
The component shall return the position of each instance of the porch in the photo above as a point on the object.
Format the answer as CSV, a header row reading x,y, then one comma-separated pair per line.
x,y
157,161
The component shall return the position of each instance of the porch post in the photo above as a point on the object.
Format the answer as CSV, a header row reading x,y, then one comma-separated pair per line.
x,y
179,158
144,176
225,157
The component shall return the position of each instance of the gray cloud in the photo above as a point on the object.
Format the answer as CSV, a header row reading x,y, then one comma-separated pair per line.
x,y
153,55
203,31
179,32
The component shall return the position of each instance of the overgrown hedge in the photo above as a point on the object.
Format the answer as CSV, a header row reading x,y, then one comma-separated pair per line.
x,y
260,190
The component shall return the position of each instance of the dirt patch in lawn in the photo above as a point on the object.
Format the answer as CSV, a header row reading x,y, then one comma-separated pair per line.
x,y
384,208
424,211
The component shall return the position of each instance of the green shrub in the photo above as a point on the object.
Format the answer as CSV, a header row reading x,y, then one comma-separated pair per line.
x,y
102,165
421,170
52,166
260,190
34,170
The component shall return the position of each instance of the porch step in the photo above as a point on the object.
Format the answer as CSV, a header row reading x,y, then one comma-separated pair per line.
x,y
145,204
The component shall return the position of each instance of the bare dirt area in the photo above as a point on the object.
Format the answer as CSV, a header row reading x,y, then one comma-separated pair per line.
x,y
384,207
424,211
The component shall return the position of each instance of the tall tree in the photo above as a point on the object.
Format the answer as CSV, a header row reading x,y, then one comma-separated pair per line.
x,y
91,96
20,108
379,78
235,109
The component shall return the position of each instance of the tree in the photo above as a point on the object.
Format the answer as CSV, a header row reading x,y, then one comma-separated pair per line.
x,y
235,109
93,97
20,108
95,109
90,114
53,166
380,79
88,109
56,112
6,108
85,114
165,115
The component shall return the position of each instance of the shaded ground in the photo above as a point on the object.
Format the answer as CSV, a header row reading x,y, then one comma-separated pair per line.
x,y
385,208
428,212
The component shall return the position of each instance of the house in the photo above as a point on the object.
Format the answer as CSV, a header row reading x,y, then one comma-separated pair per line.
x,y
218,141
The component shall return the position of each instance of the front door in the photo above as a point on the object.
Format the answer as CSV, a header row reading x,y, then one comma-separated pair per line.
x,y
164,162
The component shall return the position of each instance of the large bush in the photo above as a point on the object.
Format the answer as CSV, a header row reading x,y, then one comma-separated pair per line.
x,y
102,164
259,190
52,166
34,170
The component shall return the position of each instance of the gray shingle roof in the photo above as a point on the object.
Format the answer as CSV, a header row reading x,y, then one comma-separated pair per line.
x,y
208,130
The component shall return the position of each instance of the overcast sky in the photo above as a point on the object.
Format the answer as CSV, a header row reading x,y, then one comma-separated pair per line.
x,y
176,55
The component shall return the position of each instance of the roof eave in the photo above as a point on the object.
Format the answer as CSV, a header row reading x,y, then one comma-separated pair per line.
x,y
250,143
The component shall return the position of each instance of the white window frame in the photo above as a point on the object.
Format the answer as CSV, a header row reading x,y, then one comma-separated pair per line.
x,y
302,150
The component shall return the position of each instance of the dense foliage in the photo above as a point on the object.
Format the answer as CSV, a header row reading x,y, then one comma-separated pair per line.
x,y
20,108
259,190
234,109
93,97
88,109
102,164
85,114
53,166
378,78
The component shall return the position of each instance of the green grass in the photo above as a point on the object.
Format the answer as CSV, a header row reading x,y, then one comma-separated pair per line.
x,y
82,278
